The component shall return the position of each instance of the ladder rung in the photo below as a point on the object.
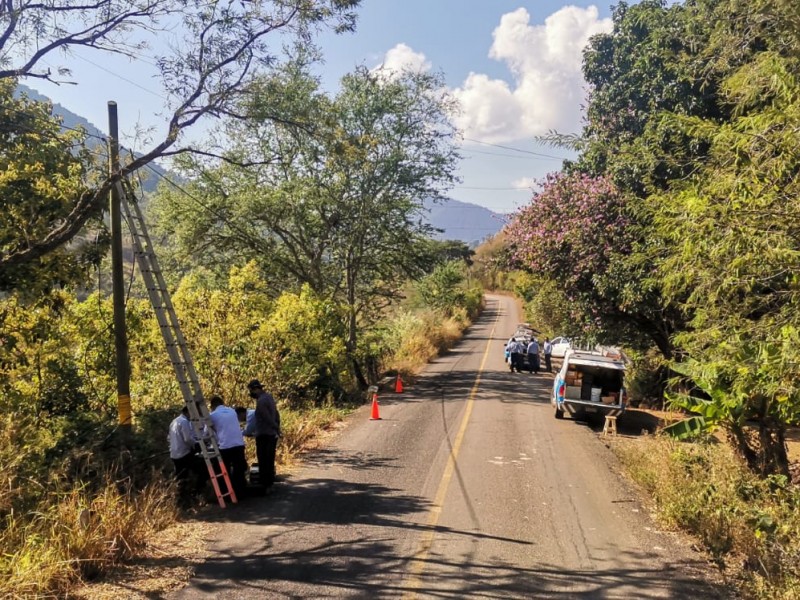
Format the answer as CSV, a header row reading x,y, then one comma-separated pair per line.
x,y
176,347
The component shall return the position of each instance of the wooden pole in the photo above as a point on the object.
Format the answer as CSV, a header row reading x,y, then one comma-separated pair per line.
x,y
118,287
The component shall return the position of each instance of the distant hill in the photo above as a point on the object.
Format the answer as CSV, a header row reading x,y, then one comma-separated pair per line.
x,y
463,221
71,121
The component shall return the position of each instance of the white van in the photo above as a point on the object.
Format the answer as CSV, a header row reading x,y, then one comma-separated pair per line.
x,y
590,383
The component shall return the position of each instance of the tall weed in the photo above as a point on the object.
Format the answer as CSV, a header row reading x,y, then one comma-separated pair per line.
x,y
79,534
417,338
750,526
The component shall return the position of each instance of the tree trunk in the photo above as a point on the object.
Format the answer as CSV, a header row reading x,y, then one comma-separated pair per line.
x,y
767,457
351,345
359,373
773,455
738,438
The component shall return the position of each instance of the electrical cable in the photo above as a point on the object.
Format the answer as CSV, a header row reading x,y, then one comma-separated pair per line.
x,y
515,149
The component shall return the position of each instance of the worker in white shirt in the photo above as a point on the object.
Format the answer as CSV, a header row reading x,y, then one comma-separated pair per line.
x,y
533,356
182,452
247,417
548,353
231,444
515,354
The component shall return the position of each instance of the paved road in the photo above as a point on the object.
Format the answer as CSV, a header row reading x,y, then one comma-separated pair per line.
x,y
467,488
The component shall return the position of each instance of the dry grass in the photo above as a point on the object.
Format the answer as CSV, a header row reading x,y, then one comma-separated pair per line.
x,y
429,336
164,565
749,525
79,535
301,431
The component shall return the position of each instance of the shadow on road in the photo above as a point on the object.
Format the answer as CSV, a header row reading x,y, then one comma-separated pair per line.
x,y
494,385
361,565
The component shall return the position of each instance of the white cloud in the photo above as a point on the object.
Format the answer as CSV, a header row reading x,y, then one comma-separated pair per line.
x,y
403,58
525,183
545,61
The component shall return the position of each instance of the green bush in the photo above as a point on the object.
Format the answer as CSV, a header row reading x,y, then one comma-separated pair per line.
x,y
645,378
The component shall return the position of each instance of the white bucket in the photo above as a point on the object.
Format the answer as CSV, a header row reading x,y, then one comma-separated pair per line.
x,y
596,394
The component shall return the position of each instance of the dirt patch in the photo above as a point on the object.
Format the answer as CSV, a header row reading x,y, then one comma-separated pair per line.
x,y
636,421
166,565
793,443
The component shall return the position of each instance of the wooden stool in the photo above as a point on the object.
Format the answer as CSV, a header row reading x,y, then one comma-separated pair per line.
x,y
610,427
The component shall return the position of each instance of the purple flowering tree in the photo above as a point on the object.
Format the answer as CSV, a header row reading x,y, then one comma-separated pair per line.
x,y
571,230
578,231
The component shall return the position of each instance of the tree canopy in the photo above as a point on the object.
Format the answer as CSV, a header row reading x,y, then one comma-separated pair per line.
x,y
692,122
217,49
330,192
42,172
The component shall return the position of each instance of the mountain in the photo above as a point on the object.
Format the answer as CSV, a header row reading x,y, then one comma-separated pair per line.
x,y
70,120
463,221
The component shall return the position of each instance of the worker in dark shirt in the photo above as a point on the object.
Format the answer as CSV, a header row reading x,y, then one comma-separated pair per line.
x,y
267,431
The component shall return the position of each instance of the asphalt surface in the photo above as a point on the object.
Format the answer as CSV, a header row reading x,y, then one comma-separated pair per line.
x,y
466,488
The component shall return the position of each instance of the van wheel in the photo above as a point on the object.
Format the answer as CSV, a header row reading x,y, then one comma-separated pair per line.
x,y
559,413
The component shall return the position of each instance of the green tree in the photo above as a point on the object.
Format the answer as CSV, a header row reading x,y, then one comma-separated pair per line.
x,y
442,290
42,171
326,191
446,250
693,117
215,50
491,260
600,247
734,231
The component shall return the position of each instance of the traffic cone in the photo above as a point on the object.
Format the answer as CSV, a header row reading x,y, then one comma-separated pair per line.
x,y
398,384
376,415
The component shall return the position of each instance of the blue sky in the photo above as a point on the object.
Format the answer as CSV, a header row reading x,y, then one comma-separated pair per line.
x,y
513,65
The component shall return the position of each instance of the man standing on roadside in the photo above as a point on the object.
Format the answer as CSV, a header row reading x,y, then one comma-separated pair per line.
x,y
231,444
533,357
548,353
267,431
515,356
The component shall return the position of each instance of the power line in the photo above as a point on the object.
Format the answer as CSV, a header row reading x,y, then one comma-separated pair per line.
x,y
515,149
492,189
118,76
507,155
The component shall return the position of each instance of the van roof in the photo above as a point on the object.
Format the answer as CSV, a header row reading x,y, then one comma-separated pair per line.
x,y
594,359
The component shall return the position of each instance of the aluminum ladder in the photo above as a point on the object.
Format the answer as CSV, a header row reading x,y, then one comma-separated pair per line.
x,y
179,354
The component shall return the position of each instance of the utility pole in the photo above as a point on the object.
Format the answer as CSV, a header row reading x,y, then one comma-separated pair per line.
x,y
118,286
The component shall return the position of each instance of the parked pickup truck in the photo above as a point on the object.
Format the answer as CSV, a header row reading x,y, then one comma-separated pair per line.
x,y
590,383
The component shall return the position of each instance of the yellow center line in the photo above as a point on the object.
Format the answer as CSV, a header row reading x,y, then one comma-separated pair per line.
x,y
418,564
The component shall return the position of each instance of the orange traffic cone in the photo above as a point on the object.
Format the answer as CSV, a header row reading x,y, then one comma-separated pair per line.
x,y
376,415
398,384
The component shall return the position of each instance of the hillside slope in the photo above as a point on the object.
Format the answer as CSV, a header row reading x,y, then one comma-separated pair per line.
x,y
463,221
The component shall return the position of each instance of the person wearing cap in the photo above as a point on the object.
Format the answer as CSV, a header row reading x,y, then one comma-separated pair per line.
x,y
267,430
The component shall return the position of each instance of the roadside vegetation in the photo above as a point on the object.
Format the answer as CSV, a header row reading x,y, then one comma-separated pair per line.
x,y
748,524
675,229
72,506
674,233
294,244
